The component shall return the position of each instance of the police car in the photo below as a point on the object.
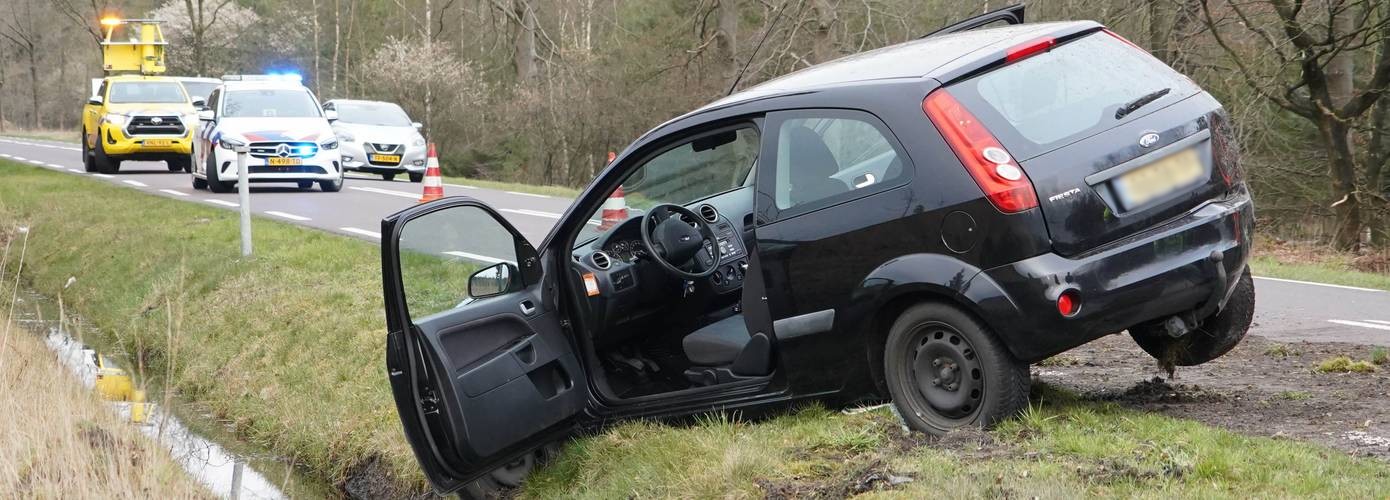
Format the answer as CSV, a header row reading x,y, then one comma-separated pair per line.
x,y
280,122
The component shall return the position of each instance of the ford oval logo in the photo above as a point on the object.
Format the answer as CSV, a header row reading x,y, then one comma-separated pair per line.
x,y
1148,140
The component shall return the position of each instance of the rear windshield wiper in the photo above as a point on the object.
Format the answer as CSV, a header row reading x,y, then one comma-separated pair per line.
x,y
1142,101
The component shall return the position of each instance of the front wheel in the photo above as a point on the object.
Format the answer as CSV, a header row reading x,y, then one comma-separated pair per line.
x,y
332,186
214,183
388,177
500,482
103,163
946,370
1216,336
416,178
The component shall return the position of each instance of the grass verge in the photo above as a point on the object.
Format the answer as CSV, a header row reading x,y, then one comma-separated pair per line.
x,y
286,347
517,187
1061,448
61,441
56,135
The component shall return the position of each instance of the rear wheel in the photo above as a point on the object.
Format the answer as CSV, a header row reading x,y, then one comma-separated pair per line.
x,y
946,370
388,177
499,482
1216,336
417,178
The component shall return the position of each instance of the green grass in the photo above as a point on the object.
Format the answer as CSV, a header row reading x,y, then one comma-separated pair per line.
x,y
46,135
1343,364
1061,448
556,191
1324,272
286,347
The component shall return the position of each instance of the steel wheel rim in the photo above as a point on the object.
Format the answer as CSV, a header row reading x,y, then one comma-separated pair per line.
x,y
945,370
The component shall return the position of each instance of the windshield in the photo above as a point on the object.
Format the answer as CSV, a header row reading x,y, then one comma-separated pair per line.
x,y
270,103
372,113
146,92
199,90
709,165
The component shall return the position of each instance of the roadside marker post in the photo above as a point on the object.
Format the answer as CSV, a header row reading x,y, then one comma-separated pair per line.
x,y
243,187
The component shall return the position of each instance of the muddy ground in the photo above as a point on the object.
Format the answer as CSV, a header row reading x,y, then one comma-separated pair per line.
x,y
1261,387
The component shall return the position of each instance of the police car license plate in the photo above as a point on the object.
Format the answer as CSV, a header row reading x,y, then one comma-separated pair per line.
x,y
284,162
1158,179
386,158
158,142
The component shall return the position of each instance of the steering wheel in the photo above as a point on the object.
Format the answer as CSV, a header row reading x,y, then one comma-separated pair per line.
x,y
675,244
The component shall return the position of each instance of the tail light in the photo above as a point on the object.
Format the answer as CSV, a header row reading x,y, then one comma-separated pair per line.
x,y
994,169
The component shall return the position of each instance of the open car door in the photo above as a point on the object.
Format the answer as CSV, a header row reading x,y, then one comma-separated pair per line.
x,y
1012,14
480,367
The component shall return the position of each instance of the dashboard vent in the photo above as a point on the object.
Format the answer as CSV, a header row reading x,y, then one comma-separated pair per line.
x,y
709,213
601,260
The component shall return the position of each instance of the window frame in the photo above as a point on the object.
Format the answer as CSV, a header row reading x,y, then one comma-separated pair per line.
x,y
765,203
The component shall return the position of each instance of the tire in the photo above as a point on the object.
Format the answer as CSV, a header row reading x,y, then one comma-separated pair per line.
x,y
500,482
103,163
214,184
199,183
946,370
332,186
180,164
417,178
1215,337
88,163
305,184
388,177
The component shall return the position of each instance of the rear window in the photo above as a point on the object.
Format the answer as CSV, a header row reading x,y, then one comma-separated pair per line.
x,y
1068,93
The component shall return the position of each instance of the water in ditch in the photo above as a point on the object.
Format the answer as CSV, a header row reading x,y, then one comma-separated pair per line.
x,y
200,444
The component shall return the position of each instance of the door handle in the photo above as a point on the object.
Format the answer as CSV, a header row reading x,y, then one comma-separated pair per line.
x,y
527,307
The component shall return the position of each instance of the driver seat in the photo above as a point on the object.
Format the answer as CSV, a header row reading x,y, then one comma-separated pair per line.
x,y
723,352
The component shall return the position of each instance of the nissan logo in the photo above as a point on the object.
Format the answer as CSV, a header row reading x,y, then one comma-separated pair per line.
x,y
1148,140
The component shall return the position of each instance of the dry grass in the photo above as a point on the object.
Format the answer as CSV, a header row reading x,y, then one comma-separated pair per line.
x,y
61,441
59,135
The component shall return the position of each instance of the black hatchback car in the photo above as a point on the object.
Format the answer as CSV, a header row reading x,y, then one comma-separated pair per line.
x,y
916,223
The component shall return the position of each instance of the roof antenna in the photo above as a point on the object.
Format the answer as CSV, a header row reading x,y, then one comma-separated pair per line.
x,y
770,26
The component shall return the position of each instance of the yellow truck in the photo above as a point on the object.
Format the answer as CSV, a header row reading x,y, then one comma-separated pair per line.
x,y
134,113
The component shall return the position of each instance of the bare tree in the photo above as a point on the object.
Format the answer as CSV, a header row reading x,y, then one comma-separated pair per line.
x,y
1317,39
200,20
20,30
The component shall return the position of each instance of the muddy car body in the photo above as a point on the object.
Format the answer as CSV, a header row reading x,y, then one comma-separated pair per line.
x,y
883,226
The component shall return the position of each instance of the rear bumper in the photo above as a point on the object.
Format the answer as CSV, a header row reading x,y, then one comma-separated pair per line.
x,y
1186,264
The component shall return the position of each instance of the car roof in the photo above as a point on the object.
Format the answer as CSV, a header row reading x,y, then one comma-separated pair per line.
x,y
920,58
360,101
198,79
263,85
140,78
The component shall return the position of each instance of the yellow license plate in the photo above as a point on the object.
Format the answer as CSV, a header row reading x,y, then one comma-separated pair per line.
x,y
386,158
284,162
1157,179
158,142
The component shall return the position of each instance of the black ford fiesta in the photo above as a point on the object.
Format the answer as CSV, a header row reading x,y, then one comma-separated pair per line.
x,y
916,223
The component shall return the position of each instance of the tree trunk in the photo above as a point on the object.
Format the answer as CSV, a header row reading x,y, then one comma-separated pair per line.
x,y
34,86
1336,137
337,43
822,45
726,40
314,8
524,47
1160,26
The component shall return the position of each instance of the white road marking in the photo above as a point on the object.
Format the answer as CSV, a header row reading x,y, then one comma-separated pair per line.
x,y
136,183
105,176
1345,287
1378,321
402,194
55,165
533,195
363,232
19,158
4,155
37,162
175,193
477,257
533,213
461,186
1360,324
75,171
221,202
287,216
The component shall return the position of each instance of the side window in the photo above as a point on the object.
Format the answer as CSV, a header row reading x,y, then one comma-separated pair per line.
x,y
824,157
453,256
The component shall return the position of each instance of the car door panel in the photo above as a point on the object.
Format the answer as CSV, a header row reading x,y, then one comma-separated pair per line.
x,y
483,381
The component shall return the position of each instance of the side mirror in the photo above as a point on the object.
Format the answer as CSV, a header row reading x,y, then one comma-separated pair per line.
x,y
331,115
417,125
206,115
95,100
199,103
490,281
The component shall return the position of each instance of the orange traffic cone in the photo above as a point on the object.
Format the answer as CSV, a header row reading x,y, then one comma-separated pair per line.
x,y
434,184
614,210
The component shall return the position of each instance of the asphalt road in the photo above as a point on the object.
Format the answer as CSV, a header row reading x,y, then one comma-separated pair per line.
x,y
1285,310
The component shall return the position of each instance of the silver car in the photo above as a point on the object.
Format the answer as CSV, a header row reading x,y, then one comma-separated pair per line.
x,y
379,138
